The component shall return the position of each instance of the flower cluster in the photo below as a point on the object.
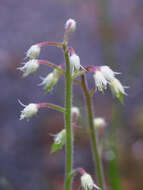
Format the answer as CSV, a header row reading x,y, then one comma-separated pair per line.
x,y
104,75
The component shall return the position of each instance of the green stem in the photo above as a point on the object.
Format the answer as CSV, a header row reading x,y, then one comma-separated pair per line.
x,y
92,133
68,103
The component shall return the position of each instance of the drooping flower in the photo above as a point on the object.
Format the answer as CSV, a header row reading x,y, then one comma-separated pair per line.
x,y
51,80
29,67
107,72
33,52
100,80
72,23
117,89
59,141
28,111
87,182
60,137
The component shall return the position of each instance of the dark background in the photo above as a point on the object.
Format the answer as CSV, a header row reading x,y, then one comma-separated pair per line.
x,y
108,32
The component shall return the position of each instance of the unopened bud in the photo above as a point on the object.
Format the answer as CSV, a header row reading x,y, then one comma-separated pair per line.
x,y
33,52
74,63
75,110
29,67
72,24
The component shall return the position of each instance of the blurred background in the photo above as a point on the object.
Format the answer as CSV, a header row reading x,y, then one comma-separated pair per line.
x,y
108,32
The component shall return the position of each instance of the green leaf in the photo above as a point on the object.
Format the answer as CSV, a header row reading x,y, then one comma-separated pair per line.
x,y
56,147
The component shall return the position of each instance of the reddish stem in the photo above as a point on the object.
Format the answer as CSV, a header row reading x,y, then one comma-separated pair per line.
x,y
57,44
81,171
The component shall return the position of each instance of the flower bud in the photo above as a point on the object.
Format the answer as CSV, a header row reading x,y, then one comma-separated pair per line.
x,y
108,73
87,182
100,81
29,111
75,110
72,23
33,52
99,121
29,67
60,138
117,88
74,63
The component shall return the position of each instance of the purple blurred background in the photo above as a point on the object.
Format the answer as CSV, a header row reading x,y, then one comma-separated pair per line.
x,y
107,33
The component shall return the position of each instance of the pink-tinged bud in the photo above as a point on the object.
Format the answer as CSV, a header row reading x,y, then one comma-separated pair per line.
x,y
72,24
29,110
33,52
99,122
75,114
29,67
100,81
75,110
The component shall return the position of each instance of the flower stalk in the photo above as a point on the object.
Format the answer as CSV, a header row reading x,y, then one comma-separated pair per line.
x,y
92,133
68,104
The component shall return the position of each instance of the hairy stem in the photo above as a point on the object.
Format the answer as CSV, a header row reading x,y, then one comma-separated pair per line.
x,y
52,106
68,103
92,133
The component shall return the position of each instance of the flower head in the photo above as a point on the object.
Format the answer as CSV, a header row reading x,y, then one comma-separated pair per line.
x,y
100,80
29,111
107,72
72,23
117,88
29,67
99,121
51,80
87,182
33,52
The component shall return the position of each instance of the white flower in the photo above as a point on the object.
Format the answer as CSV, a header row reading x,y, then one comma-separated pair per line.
x,y
75,110
107,72
87,182
100,81
29,67
73,24
74,63
33,52
117,88
29,111
60,137
51,80
99,121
